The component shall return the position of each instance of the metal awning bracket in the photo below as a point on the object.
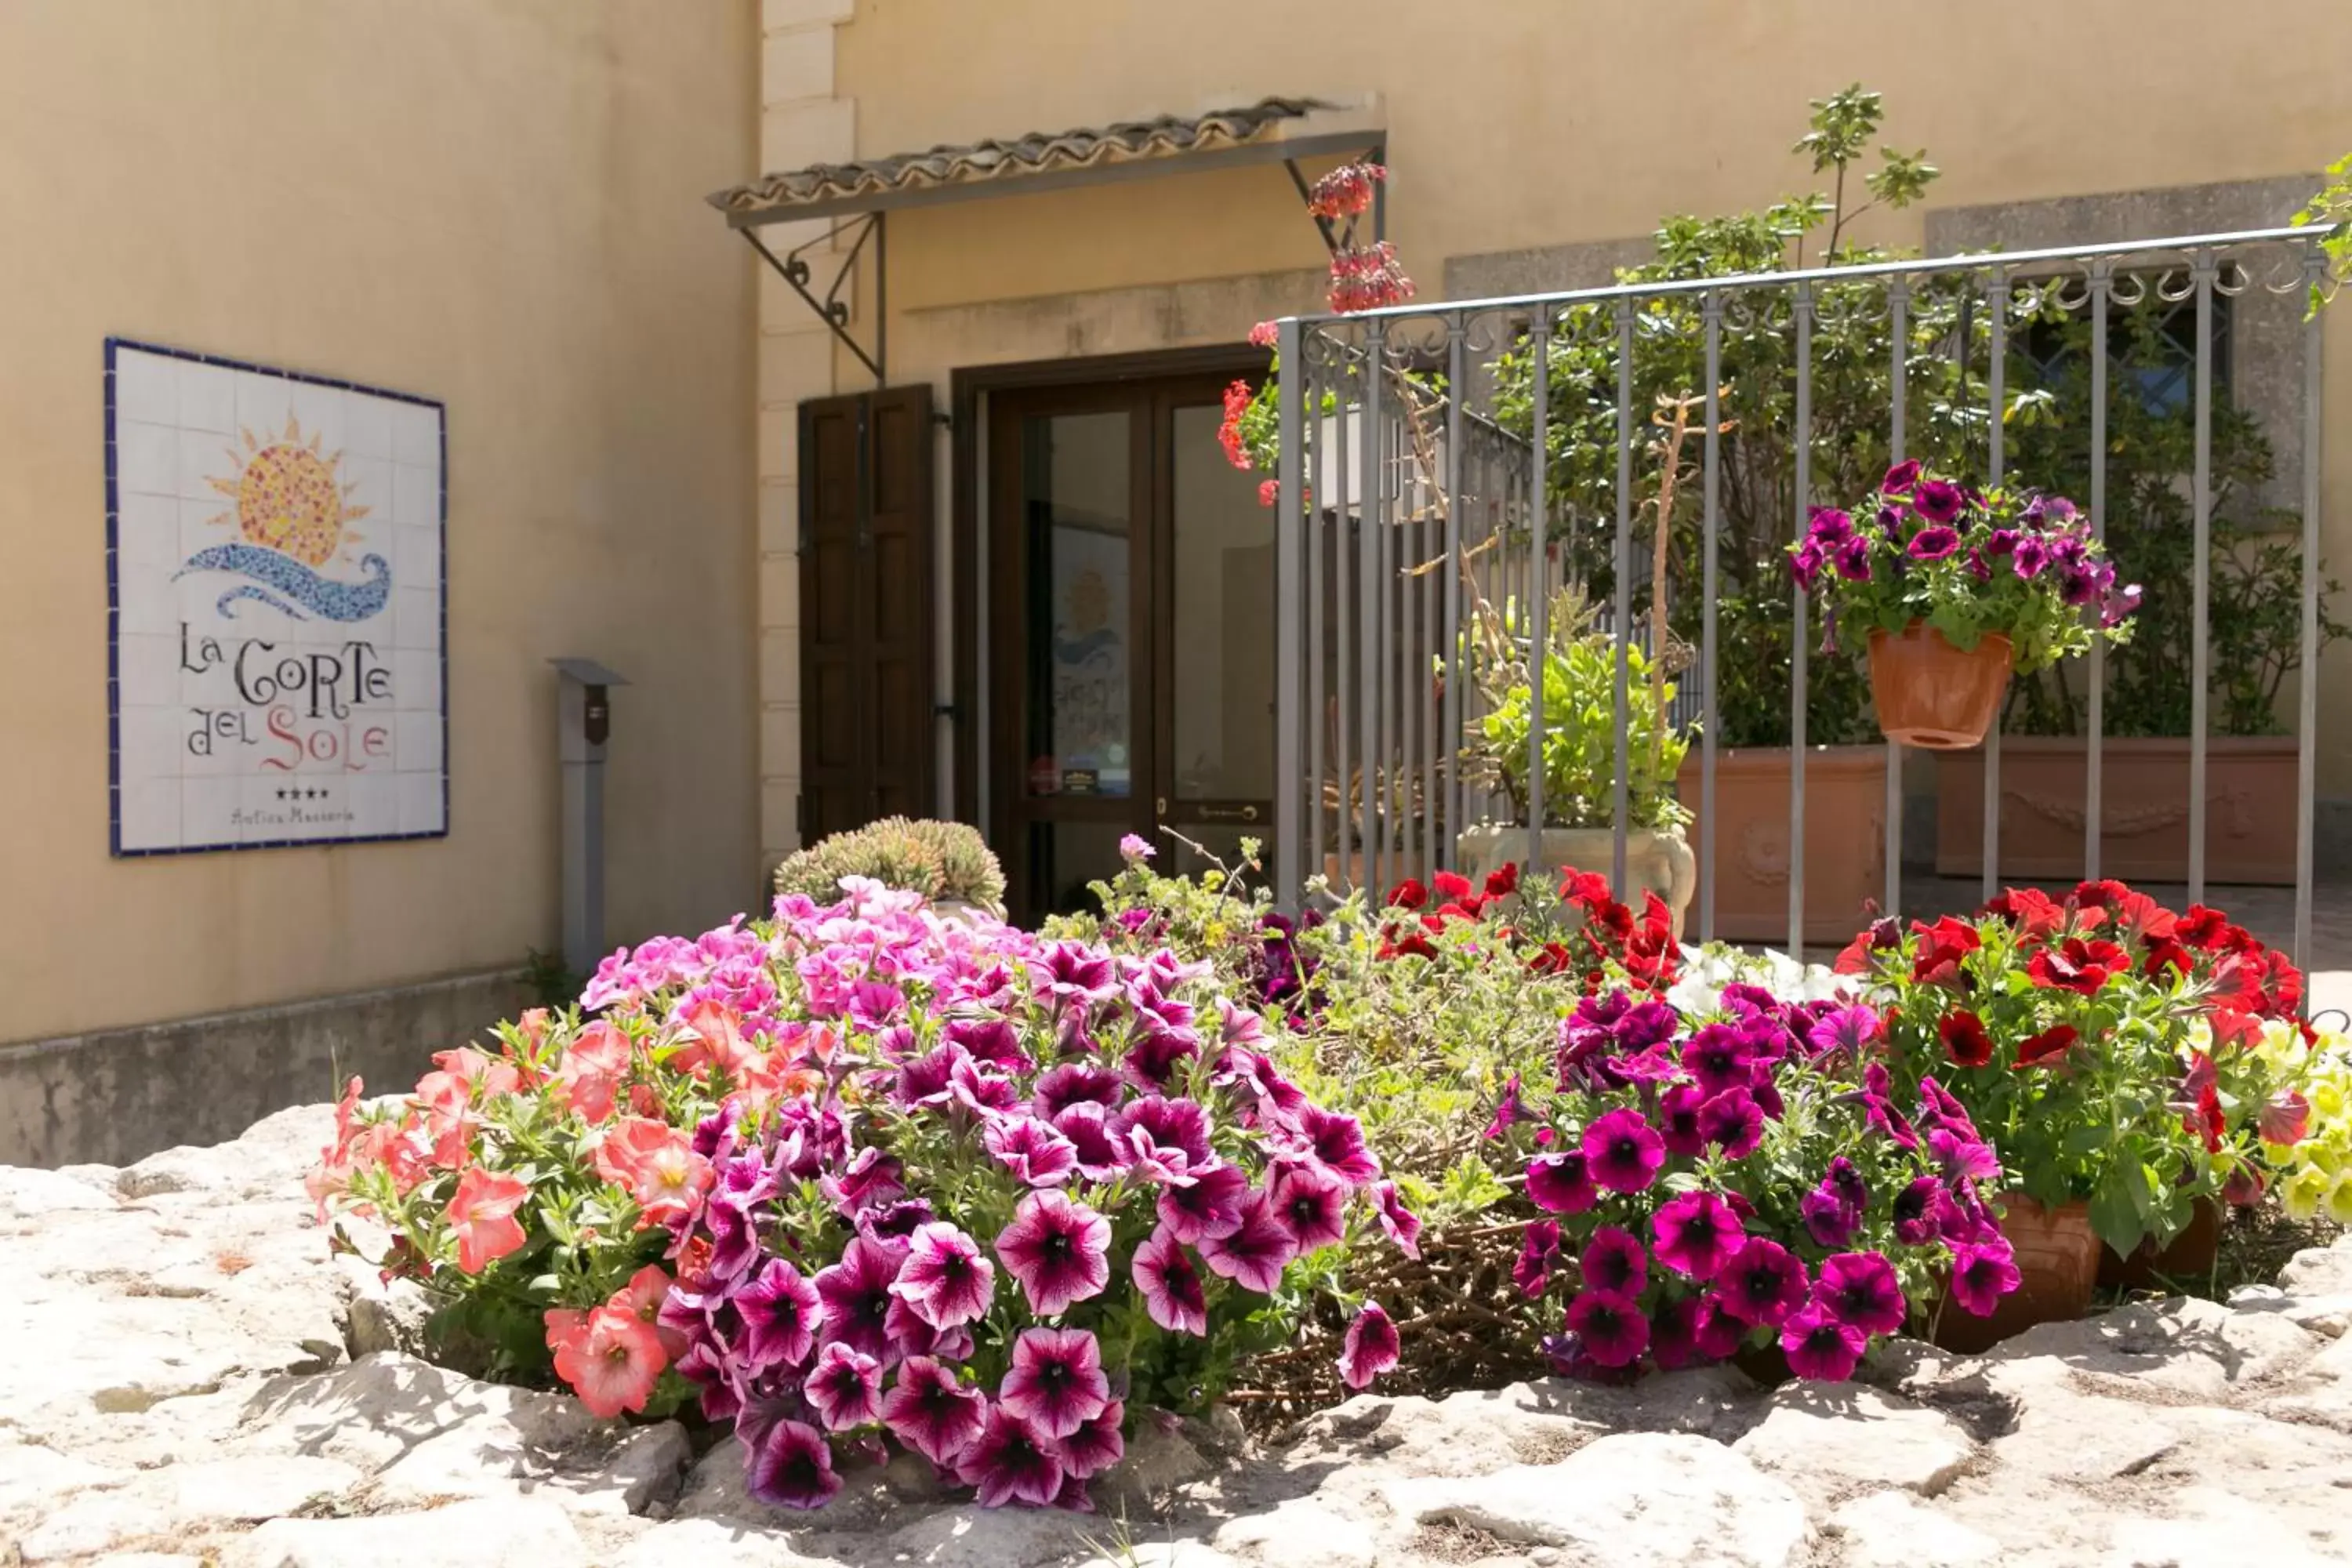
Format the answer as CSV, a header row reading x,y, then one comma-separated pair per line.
x,y
834,310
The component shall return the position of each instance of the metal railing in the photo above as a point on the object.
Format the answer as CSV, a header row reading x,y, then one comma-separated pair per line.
x,y
1410,502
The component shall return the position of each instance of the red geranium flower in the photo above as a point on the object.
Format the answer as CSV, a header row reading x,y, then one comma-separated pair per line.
x,y
2049,1044
1504,880
1965,1039
1408,894
1590,889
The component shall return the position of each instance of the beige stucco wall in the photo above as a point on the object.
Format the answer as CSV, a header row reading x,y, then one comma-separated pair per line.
x,y
494,205
1516,127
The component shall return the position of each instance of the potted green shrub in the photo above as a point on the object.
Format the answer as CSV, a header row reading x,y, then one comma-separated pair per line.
x,y
1576,671
947,862
1953,588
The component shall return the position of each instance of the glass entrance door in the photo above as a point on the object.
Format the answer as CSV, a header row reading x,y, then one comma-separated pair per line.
x,y
1131,611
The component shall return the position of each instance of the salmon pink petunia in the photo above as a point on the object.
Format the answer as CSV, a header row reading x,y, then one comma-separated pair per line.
x,y
612,1364
590,1072
481,1214
656,1165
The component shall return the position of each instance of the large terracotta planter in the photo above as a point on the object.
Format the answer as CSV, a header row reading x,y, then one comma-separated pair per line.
x,y
2143,809
1661,863
2189,1256
1930,694
2058,1264
1845,840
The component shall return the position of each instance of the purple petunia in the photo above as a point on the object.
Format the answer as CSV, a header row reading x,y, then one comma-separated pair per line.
x,y
845,1388
1962,1158
1678,1121
932,1413
1982,1275
1933,542
1539,1254
946,1280
791,1467
1901,477
1860,1287
1611,1330
1852,559
1055,1246
1509,1111
1622,1151
1558,1183
1937,501
1761,1283
1056,1382
1613,1261
1689,1331
1827,1219
1850,1029
1257,1251
1696,1233
1012,1461
1919,1212
1370,1349
1819,1347
1716,1058
1733,1121
781,1312
1172,1291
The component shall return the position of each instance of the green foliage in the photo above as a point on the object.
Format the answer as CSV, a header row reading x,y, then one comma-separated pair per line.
x,y
1579,741
2332,206
1946,353
940,860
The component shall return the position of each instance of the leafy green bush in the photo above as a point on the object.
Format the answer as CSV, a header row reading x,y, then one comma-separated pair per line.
x,y
1579,741
940,860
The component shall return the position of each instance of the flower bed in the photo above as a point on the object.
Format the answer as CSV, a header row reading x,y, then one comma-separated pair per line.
x,y
868,1177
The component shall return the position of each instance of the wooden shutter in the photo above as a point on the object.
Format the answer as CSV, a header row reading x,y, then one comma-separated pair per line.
x,y
868,731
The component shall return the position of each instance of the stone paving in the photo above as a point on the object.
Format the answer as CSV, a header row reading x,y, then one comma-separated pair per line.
x,y
194,1383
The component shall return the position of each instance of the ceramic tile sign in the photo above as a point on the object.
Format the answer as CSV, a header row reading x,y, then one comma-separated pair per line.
x,y
278,596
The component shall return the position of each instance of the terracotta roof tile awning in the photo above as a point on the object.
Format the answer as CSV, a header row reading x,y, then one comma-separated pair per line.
x,y
1269,131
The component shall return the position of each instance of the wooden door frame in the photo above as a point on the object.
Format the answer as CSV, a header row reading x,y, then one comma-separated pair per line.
x,y
966,387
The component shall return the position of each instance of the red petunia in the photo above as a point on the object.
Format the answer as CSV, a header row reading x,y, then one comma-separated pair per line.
x,y
2050,1043
2078,965
1942,946
1590,889
2200,928
1965,1039
2027,909
2207,1118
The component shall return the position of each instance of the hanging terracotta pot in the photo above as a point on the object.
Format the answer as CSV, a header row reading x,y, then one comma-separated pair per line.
x,y
2189,1256
2057,1257
1930,694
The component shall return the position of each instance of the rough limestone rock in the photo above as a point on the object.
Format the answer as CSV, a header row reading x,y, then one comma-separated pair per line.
x,y
1831,1439
201,1384
1639,1501
1891,1530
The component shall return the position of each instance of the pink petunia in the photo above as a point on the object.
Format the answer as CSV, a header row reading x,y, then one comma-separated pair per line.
x,y
932,1413
1012,1461
791,1467
1256,1253
1055,1381
1371,1347
1096,1445
845,1388
1310,1205
1057,1248
946,1280
1172,1291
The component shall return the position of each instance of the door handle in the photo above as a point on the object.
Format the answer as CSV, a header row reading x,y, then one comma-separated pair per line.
x,y
1229,813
